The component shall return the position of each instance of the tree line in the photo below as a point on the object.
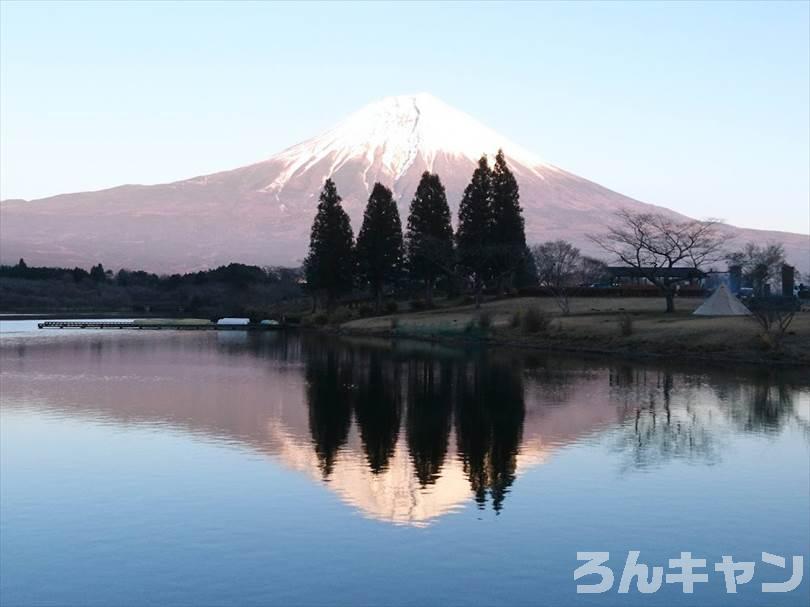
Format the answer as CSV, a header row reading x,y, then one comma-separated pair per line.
x,y
487,250
234,290
235,274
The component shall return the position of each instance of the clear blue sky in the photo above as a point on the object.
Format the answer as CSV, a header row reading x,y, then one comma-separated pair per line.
x,y
702,107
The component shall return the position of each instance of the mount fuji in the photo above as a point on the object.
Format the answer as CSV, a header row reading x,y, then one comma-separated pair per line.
x,y
261,214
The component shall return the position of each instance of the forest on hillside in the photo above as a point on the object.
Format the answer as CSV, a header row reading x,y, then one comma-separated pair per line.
x,y
232,290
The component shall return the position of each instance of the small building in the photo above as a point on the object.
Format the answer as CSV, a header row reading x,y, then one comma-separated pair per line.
x,y
233,322
638,276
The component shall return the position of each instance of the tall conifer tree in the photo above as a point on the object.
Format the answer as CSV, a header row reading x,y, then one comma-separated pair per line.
x,y
475,226
430,236
330,264
380,253
508,236
526,272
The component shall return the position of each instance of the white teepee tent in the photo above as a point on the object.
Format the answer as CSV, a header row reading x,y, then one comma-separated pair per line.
x,y
722,303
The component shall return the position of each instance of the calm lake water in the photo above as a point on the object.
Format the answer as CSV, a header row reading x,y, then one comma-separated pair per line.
x,y
206,468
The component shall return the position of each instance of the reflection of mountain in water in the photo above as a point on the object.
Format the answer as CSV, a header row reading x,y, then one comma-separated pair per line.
x,y
404,433
484,395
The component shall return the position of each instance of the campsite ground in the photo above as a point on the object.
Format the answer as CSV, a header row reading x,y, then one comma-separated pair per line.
x,y
626,326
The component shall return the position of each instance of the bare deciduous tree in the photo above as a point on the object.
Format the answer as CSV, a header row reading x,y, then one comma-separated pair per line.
x,y
759,264
593,271
559,266
653,243
774,315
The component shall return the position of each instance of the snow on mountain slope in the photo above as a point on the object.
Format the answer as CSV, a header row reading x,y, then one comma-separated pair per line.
x,y
262,213
392,133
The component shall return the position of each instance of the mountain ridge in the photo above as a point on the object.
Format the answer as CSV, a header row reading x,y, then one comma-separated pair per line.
x,y
261,213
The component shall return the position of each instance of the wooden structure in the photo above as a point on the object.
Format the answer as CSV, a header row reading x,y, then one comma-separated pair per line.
x,y
128,324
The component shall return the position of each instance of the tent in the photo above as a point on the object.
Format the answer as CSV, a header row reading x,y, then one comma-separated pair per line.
x,y
722,303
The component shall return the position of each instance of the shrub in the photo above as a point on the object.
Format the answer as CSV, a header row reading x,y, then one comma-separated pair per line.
x,y
255,315
536,321
774,316
485,320
365,310
391,307
418,304
339,316
625,325
320,319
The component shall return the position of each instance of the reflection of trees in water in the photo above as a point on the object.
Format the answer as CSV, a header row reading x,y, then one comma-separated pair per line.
x,y
430,397
329,390
377,407
660,430
655,431
489,427
764,404
664,414
486,395
554,380
272,345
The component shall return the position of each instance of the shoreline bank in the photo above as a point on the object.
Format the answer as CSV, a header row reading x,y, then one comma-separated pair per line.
x,y
628,328
722,358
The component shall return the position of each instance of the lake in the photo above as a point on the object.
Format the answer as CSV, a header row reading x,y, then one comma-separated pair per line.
x,y
222,468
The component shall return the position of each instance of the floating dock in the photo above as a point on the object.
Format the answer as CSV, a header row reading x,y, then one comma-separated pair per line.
x,y
154,326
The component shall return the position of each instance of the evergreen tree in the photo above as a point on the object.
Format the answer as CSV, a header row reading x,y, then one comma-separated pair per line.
x,y
329,266
430,236
97,273
508,237
380,252
475,226
526,272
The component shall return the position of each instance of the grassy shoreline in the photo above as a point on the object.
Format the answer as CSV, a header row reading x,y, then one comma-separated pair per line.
x,y
599,327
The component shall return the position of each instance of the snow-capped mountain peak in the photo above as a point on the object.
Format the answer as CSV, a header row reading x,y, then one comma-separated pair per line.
x,y
262,213
393,132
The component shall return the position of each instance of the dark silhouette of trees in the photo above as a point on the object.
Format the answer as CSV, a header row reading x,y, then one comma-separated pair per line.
x,y
380,253
491,238
594,271
526,274
759,264
330,265
763,403
378,410
507,233
473,237
489,428
97,273
329,393
429,417
429,236
79,274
